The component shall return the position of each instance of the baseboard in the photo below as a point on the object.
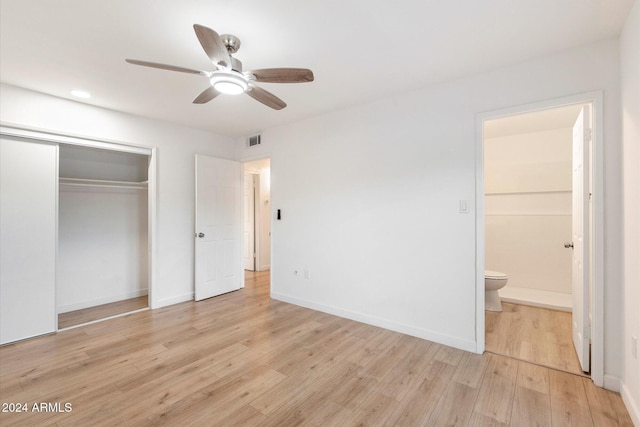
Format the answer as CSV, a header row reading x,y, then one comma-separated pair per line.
x,y
382,323
173,300
632,406
86,304
612,383
536,298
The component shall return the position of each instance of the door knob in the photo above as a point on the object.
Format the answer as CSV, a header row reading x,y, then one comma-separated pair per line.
x,y
568,245
201,235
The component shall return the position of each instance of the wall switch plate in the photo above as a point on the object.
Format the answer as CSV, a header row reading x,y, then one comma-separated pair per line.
x,y
634,347
307,274
464,206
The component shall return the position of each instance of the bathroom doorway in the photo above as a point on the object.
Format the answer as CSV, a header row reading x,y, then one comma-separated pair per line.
x,y
526,217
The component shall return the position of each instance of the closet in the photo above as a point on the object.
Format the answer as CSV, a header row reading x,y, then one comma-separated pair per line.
x,y
74,228
102,233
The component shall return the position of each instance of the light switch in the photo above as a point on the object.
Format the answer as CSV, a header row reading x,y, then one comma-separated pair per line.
x,y
464,206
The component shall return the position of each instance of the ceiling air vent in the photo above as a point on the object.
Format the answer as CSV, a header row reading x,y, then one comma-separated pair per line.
x,y
254,140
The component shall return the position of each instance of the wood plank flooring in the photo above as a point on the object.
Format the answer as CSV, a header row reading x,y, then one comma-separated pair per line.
x,y
86,315
243,359
532,334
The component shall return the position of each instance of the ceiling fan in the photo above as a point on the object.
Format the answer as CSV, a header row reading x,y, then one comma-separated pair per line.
x,y
228,77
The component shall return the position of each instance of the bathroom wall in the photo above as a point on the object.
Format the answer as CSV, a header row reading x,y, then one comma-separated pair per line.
x,y
528,210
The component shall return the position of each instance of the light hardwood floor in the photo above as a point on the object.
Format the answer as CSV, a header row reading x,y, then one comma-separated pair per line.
x,y
243,359
86,315
532,334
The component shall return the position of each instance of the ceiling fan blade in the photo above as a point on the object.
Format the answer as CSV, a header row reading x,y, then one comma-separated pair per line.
x,y
212,45
207,95
166,67
283,75
267,98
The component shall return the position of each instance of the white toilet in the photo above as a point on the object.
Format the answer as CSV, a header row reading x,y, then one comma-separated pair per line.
x,y
493,280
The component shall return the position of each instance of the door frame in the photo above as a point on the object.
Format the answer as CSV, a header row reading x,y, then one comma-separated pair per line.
x,y
596,268
259,209
27,132
254,229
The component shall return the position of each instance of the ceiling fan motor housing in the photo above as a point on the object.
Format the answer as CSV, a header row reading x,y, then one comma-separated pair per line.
x,y
231,42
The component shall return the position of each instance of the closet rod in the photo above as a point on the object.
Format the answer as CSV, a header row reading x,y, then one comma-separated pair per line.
x,y
80,182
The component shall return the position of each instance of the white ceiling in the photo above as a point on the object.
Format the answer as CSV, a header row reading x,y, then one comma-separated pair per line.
x,y
359,50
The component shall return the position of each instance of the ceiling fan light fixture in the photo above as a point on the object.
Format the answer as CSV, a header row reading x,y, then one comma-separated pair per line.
x,y
228,77
228,83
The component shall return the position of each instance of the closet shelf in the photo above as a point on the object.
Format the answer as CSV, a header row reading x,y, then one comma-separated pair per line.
x,y
81,182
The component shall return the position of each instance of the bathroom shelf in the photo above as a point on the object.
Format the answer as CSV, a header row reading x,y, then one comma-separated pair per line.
x,y
512,193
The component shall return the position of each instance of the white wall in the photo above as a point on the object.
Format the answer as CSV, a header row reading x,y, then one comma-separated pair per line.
x,y
630,67
370,196
528,208
102,246
177,146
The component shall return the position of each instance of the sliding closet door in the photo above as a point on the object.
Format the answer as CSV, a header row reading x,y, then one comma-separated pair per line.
x,y
28,223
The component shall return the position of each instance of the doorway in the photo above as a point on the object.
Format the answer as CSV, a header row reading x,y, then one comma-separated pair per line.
x,y
524,222
233,230
257,215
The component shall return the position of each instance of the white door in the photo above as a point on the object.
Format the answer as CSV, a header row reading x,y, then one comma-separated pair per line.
x,y
249,222
218,234
580,225
28,224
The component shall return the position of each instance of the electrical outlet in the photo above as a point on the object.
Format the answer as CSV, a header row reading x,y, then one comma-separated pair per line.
x,y
634,347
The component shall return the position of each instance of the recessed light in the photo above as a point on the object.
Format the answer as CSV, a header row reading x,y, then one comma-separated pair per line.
x,y
80,94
